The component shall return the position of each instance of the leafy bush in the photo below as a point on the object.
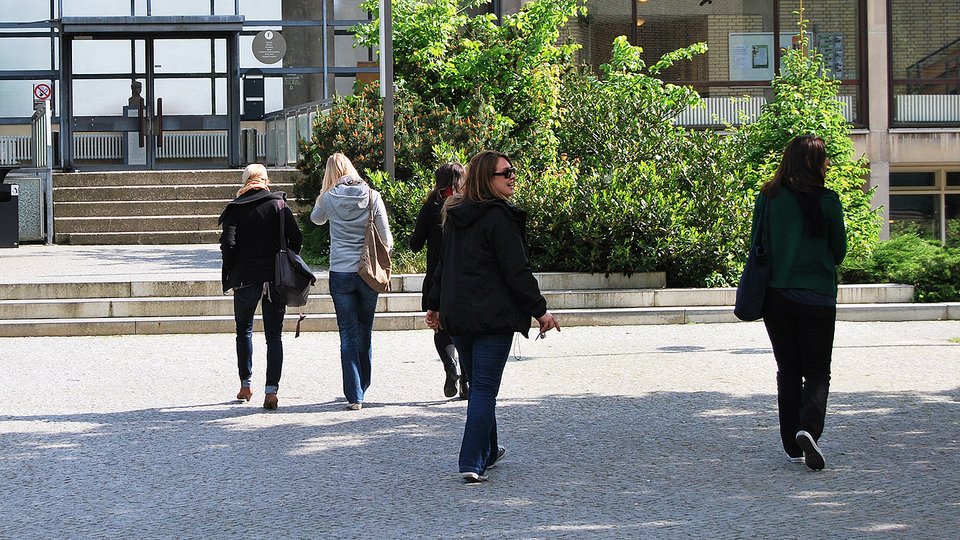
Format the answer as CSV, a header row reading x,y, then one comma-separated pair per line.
x,y
354,126
934,270
642,216
609,182
624,116
446,56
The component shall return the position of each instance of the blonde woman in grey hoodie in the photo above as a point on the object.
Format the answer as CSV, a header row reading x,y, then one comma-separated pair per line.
x,y
345,201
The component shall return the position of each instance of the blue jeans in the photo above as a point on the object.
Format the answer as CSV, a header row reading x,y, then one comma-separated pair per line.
x,y
487,356
245,300
355,303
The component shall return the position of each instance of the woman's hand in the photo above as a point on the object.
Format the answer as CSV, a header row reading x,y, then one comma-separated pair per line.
x,y
433,319
548,321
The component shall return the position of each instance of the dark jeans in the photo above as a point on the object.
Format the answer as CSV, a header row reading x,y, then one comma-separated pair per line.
x,y
245,300
487,356
355,303
802,340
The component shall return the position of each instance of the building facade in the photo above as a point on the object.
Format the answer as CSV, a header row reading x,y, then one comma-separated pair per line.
x,y
174,83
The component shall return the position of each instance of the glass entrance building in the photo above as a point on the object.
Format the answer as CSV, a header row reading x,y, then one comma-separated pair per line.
x,y
170,83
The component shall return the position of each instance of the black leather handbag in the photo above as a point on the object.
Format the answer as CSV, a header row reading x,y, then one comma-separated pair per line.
x,y
293,277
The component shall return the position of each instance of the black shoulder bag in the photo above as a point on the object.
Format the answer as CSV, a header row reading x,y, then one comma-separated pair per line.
x,y
756,274
292,276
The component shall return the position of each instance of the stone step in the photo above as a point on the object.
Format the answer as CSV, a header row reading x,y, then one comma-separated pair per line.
x,y
317,304
414,320
139,224
214,305
187,192
549,281
138,238
82,209
134,178
197,207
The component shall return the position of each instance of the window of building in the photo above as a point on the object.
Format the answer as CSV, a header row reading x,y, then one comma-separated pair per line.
x,y
925,62
745,40
926,202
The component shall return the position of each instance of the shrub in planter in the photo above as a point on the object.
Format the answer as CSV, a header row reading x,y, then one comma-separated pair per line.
x,y
934,270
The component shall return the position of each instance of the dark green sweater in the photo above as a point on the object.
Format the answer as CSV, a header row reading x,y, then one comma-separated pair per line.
x,y
799,261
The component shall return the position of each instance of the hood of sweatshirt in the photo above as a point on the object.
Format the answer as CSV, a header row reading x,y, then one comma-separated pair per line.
x,y
348,199
464,214
252,196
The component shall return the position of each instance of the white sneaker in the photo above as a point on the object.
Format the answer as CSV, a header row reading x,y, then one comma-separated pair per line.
x,y
355,406
813,457
473,478
792,459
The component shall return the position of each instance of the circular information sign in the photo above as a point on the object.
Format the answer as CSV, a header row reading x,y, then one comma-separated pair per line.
x,y
269,47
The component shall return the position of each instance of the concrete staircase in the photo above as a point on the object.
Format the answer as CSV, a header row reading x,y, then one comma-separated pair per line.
x,y
197,306
146,207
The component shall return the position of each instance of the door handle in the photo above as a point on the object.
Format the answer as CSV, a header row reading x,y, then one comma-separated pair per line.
x,y
141,124
159,122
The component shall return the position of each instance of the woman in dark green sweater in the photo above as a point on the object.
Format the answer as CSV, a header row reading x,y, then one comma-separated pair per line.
x,y
806,239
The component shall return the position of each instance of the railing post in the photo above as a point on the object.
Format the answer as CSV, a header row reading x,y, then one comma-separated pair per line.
x,y
41,139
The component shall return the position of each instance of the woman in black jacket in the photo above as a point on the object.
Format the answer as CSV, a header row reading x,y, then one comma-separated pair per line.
x,y
483,292
249,244
428,231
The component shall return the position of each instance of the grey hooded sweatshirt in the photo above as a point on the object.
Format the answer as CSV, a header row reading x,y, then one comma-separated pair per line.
x,y
345,206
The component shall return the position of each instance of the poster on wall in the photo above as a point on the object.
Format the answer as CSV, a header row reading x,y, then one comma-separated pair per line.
x,y
751,54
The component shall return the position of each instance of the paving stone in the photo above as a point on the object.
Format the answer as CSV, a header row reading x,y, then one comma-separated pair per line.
x,y
612,432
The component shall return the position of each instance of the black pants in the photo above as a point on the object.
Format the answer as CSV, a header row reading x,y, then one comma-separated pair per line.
x,y
802,340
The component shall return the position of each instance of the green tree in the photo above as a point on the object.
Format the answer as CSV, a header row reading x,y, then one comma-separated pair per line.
x,y
444,55
804,101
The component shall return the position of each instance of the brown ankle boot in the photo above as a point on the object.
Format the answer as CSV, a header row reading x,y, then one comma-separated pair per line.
x,y
270,401
245,394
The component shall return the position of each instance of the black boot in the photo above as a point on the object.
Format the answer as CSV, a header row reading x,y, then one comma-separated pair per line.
x,y
450,384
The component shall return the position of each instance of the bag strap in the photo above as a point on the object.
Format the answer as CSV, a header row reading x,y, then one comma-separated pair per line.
x,y
763,226
283,232
370,204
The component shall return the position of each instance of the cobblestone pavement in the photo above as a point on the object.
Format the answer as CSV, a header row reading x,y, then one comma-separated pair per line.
x,y
611,432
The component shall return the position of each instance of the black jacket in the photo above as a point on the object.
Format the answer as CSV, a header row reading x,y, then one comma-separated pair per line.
x,y
428,232
483,283
251,237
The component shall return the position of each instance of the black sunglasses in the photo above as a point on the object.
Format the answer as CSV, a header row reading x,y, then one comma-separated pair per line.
x,y
509,172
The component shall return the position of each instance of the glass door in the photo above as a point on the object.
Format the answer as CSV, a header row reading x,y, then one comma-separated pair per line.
x,y
148,103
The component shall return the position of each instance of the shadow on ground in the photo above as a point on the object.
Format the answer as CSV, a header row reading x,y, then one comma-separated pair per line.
x,y
664,465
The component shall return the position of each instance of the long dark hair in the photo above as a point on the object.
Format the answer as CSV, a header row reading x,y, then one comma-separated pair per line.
x,y
446,180
803,171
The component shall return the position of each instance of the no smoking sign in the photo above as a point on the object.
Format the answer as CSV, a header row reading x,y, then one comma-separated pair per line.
x,y
42,92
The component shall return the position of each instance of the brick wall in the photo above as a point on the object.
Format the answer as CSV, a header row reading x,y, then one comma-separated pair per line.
x,y
917,33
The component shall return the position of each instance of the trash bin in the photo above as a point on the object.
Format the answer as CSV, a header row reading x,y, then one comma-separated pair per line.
x,y
9,215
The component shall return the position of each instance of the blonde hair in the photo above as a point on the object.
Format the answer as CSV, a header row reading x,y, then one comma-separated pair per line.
x,y
338,166
255,172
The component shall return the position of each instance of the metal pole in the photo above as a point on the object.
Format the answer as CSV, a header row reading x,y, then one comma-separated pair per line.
x,y
48,170
386,83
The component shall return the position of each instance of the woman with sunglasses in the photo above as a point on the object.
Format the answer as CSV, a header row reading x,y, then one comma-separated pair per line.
x,y
483,292
428,232
804,234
